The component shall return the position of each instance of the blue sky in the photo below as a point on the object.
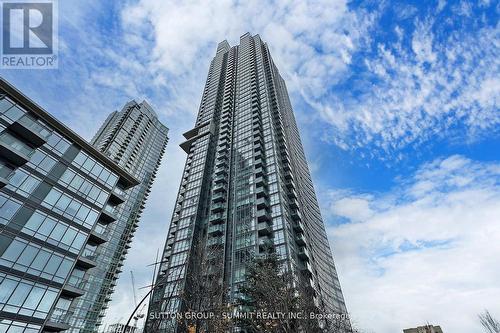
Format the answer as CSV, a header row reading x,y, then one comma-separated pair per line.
x,y
398,107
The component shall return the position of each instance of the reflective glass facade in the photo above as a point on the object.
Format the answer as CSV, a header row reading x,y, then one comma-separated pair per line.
x,y
246,187
54,190
135,140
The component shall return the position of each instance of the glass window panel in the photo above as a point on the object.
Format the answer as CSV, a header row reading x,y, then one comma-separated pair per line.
x,y
20,294
69,236
47,301
58,232
67,176
52,197
47,226
73,208
92,217
79,241
35,221
5,104
33,298
41,260
77,182
83,212
64,268
53,265
13,251
18,178
63,202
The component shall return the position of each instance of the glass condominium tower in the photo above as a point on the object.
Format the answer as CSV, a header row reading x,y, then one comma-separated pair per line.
x,y
135,140
246,187
58,201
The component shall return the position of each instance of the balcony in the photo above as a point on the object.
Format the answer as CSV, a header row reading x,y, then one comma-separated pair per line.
x,y
260,181
218,197
217,218
220,179
14,150
221,164
261,192
223,149
305,268
219,188
75,287
263,215
264,229
87,259
303,254
117,196
260,171
218,207
262,203
296,215
99,234
216,229
300,240
58,320
265,243
5,174
221,171
298,227
108,214
30,130
215,241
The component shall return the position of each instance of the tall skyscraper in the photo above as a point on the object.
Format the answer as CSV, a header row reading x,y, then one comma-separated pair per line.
x,y
135,140
246,186
59,198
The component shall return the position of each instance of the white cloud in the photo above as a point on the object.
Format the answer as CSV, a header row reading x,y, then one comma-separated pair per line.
x,y
424,252
444,88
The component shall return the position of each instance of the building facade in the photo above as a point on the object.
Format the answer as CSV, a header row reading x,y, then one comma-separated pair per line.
x,y
246,187
58,201
135,140
121,328
424,329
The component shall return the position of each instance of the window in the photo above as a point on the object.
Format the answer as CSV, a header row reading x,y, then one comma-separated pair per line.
x,y
36,260
8,207
18,327
25,297
57,143
181,246
55,232
70,207
41,162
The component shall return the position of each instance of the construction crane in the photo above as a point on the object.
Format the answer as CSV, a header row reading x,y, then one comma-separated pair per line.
x,y
140,313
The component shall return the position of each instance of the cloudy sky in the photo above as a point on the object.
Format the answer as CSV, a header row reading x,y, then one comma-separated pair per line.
x,y
398,107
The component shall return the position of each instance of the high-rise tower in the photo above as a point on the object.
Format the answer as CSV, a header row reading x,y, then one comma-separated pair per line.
x,y
58,201
246,186
135,140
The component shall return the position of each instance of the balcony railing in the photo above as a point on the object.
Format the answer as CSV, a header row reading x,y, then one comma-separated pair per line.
x,y
5,171
34,126
77,282
89,254
110,209
16,145
216,229
61,316
119,191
